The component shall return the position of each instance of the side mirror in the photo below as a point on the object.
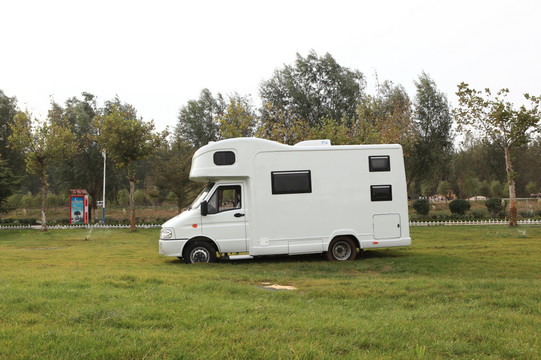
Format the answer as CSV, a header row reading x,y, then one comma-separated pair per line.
x,y
204,208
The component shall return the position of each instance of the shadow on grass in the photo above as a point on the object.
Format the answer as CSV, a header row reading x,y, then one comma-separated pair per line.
x,y
306,258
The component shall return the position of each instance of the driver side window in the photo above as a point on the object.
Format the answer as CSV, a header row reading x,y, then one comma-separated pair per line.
x,y
225,198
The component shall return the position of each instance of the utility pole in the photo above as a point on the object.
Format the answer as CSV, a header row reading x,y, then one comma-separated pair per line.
x,y
104,167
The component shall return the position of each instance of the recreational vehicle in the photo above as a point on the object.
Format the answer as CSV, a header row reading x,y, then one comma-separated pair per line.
x,y
266,198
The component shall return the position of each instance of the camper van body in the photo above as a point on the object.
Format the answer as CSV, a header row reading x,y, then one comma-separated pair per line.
x,y
267,198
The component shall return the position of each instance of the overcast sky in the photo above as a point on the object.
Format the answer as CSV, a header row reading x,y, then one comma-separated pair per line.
x,y
157,55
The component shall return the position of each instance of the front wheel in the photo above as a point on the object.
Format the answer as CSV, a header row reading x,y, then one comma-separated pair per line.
x,y
341,249
199,251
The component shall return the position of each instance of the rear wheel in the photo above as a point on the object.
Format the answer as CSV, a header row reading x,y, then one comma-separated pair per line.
x,y
199,251
341,249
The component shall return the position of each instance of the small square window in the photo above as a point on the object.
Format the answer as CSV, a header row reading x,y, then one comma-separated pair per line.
x,y
381,193
380,163
224,158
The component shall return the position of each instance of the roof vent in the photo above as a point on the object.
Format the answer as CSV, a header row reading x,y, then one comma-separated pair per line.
x,y
325,142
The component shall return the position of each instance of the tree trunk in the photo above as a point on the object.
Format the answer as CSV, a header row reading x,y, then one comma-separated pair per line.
x,y
132,204
44,186
511,180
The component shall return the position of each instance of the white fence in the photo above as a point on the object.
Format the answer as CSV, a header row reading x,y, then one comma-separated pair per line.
x,y
157,226
66,227
473,222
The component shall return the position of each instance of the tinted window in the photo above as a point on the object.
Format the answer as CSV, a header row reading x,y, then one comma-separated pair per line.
x,y
381,193
291,182
224,158
380,163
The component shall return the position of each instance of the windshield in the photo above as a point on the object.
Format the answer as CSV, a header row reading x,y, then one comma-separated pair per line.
x,y
201,196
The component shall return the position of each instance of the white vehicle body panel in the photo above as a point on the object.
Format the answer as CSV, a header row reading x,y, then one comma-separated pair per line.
x,y
340,201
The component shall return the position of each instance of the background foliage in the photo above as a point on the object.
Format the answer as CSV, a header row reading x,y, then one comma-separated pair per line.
x,y
313,98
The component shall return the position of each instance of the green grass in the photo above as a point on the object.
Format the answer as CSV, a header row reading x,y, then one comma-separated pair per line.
x,y
456,293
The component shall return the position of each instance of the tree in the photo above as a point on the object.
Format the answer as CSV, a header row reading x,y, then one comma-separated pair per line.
x,y
238,119
177,161
383,118
432,151
84,169
127,139
14,160
443,188
386,118
42,144
531,188
196,120
277,126
312,90
469,187
495,119
8,182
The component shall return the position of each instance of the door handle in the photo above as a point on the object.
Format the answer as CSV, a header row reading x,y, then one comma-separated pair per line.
x,y
239,215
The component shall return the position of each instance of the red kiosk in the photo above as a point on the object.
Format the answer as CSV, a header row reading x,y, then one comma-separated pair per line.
x,y
78,206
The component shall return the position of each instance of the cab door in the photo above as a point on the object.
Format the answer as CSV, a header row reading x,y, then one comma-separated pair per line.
x,y
225,221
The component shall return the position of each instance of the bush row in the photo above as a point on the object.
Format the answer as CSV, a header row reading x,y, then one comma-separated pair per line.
x,y
495,209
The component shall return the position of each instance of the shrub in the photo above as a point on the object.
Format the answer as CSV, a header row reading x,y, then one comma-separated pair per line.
x,y
422,206
496,207
479,214
459,206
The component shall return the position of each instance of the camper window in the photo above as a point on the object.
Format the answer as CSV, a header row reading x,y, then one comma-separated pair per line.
x,y
291,182
379,163
381,193
225,198
224,158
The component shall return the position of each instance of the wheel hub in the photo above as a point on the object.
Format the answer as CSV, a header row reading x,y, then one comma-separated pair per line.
x,y
200,255
341,251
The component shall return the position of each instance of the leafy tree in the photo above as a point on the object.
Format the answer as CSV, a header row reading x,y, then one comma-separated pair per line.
x,y
469,187
139,197
42,144
443,188
432,151
176,160
484,188
84,170
278,127
531,187
238,119
8,182
127,139
8,110
495,189
313,89
495,119
123,197
386,118
196,120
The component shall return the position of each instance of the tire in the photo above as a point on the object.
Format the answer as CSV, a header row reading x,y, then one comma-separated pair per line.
x,y
199,251
341,249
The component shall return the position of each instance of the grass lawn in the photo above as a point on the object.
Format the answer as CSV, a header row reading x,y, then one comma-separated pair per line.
x,y
464,292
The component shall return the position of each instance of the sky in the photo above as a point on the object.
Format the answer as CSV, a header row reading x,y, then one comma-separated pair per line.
x,y
157,55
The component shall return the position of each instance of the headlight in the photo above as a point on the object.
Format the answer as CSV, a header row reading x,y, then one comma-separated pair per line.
x,y
166,234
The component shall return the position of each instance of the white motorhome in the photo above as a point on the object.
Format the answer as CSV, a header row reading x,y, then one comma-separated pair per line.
x,y
267,198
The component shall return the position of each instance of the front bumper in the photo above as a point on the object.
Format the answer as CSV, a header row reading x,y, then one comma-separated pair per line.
x,y
172,247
